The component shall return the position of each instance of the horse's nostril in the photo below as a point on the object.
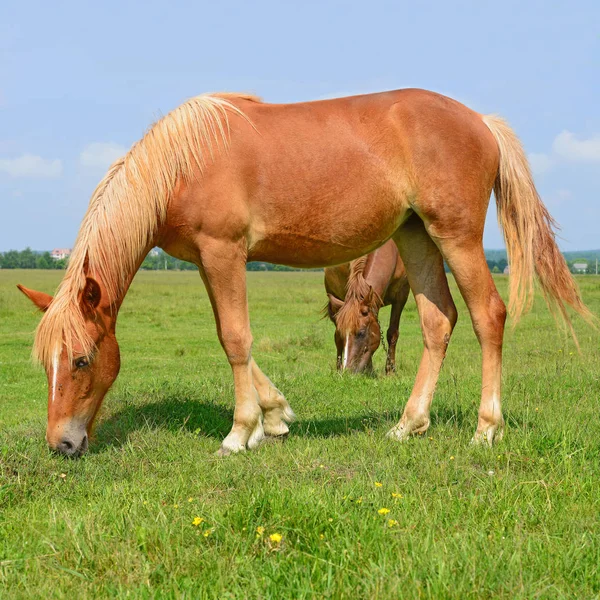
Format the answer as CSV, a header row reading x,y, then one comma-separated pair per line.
x,y
70,448
66,445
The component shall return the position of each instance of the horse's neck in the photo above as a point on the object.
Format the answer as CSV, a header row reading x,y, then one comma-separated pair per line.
x,y
113,302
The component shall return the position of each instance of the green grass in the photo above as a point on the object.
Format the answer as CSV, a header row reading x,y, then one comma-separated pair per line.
x,y
519,521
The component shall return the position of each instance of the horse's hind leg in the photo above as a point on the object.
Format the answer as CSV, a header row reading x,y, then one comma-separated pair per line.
x,y
224,274
277,412
466,258
437,313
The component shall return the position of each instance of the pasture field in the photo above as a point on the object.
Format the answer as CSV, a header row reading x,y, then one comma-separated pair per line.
x,y
521,520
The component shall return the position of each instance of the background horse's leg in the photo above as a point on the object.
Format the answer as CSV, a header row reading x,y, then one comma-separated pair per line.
x,y
488,313
224,274
392,332
276,410
437,313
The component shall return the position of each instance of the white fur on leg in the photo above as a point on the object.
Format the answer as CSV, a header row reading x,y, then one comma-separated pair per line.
x,y
232,444
257,435
490,429
276,419
288,414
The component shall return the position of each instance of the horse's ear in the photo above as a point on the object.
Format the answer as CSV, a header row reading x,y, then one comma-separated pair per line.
x,y
372,301
366,304
40,299
91,295
335,304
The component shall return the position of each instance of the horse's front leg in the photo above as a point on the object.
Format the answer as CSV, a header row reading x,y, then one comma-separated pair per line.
x,y
277,412
224,273
392,332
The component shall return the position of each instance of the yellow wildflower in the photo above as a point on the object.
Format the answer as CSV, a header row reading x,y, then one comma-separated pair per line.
x,y
259,531
175,505
190,499
321,536
383,511
396,495
452,458
392,523
377,484
208,532
197,521
359,500
276,538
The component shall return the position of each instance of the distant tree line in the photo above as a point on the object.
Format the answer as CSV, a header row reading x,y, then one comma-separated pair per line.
x,y
29,259
157,260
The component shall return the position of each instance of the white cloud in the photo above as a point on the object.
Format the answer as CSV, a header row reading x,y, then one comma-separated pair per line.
x,y
32,166
567,146
100,155
540,163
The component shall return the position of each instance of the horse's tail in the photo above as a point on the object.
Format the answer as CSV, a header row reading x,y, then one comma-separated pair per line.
x,y
529,234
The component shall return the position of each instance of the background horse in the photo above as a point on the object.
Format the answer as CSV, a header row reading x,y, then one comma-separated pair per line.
x,y
224,179
356,292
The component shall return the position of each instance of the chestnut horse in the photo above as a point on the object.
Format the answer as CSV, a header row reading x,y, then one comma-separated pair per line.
x,y
356,292
224,179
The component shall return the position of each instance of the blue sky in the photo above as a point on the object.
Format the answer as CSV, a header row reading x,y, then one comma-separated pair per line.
x,y
81,81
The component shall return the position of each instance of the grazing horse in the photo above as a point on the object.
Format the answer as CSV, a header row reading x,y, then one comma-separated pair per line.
x,y
356,292
224,179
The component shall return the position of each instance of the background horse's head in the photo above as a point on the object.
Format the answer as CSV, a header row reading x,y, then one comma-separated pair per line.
x,y
357,326
78,348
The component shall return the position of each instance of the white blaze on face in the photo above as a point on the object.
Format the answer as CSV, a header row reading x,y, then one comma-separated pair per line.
x,y
54,374
346,349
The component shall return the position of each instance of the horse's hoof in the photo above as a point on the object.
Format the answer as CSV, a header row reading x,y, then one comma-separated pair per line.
x,y
489,436
277,439
403,431
398,433
223,451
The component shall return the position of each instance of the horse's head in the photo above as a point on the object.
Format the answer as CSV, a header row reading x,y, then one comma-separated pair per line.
x,y
79,372
357,325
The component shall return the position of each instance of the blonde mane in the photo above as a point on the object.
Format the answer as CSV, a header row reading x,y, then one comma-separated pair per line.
x,y
357,291
127,209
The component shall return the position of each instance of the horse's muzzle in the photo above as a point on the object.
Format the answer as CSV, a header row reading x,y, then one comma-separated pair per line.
x,y
71,448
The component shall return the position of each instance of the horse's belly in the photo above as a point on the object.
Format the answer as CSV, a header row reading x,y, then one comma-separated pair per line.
x,y
326,231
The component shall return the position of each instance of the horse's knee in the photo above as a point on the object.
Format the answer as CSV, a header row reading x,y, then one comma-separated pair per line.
x,y
392,336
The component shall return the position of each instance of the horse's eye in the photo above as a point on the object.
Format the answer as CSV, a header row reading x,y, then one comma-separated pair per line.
x,y
82,362
361,334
